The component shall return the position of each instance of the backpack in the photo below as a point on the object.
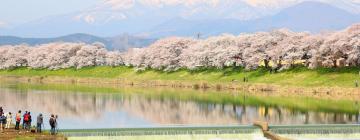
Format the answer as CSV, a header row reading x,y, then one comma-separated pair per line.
x,y
52,122
2,118
26,117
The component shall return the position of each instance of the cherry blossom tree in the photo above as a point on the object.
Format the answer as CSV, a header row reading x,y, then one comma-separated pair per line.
x,y
213,52
13,56
278,49
165,53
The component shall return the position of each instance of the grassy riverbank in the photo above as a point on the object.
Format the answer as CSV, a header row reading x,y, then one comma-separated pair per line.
x,y
12,134
300,76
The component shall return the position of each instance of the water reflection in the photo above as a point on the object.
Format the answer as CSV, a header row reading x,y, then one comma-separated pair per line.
x,y
82,110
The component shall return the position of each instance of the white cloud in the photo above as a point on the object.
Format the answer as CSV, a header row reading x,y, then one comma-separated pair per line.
x,y
3,24
356,1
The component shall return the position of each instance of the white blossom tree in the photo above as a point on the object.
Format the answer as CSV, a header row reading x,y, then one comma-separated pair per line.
x,y
13,56
165,53
213,52
279,49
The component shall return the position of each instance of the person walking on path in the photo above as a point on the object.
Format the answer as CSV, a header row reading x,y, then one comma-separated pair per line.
x,y
52,122
18,120
8,120
24,122
39,122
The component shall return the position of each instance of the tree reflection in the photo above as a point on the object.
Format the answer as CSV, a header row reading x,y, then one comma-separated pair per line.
x,y
160,111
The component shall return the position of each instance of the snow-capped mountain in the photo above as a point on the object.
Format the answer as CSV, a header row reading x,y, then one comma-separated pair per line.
x,y
307,16
157,18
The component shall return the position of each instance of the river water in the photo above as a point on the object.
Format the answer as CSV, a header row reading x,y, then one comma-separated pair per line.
x,y
79,109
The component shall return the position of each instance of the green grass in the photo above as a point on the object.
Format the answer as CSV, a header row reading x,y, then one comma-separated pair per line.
x,y
24,138
299,76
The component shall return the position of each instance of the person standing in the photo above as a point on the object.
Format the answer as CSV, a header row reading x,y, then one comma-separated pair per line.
x,y
8,120
18,120
52,122
24,121
2,121
28,123
56,124
39,122
1,111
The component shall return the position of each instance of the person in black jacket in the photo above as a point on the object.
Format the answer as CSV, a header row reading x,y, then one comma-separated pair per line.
x,y
52,122
29,122
1,111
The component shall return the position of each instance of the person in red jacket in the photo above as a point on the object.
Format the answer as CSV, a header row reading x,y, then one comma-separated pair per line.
x,y
26,120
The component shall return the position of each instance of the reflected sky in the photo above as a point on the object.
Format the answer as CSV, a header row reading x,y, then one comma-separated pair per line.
x,y
91,110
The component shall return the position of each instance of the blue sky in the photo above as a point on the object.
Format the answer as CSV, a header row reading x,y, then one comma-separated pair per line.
x,y
17,11
42,18
21,11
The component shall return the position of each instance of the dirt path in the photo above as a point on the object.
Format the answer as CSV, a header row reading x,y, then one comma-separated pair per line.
x,y
12,134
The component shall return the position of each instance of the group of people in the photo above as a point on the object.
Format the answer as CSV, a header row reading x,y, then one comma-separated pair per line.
x,y
26,118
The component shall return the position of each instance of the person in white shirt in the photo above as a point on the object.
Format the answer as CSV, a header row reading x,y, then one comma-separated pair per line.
x,y
8,120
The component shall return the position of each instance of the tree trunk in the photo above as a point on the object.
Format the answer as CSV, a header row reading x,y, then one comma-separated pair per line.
x,y
334,64
266,62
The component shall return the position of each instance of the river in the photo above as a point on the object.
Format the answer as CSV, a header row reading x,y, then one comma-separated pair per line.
x,y
118,107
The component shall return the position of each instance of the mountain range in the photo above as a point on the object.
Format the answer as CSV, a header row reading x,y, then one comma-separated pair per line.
x,y
120,42
142,27
307,16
